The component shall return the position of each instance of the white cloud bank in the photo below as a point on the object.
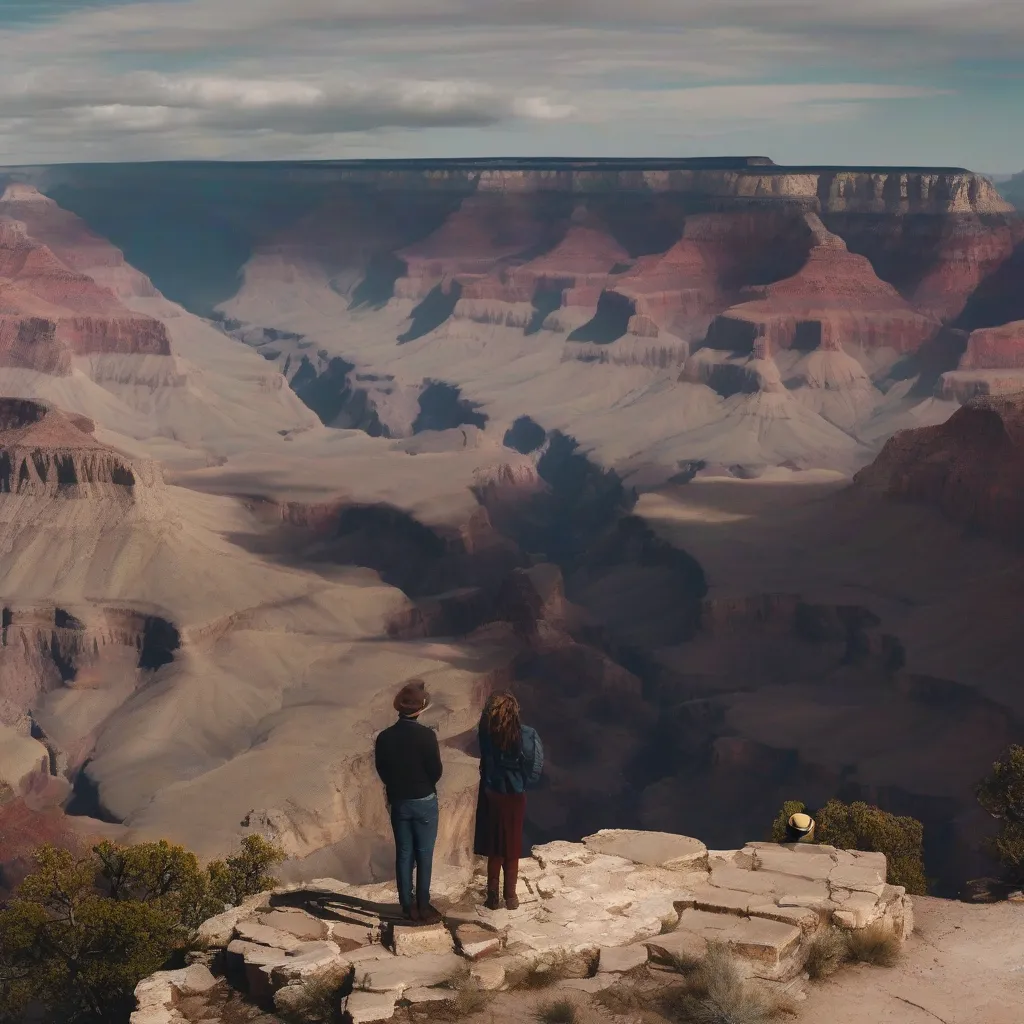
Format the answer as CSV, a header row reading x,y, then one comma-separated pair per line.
x,y
253,78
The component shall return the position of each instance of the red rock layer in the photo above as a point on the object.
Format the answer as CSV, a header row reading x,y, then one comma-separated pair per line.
x,y
995,348
835,299
701,273
970,250
580,264
43,453
69,238
971,467
49,312
484,232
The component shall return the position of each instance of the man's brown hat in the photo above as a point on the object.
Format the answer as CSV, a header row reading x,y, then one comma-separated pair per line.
x,y
412,698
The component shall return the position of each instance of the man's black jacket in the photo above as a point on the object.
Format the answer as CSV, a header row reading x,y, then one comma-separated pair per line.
x,y
408,760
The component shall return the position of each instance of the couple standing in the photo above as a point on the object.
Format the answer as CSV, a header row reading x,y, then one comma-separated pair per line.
x,y
408,761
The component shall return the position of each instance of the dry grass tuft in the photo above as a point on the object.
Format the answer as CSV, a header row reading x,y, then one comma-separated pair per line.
x,y
543,973
877,945
716,993
827,952
623,999
558,1011
678,963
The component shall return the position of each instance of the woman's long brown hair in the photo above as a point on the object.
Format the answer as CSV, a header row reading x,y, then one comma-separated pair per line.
x,y
502,718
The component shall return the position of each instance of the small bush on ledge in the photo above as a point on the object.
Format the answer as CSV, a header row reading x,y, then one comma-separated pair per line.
x,y
79,934
1001,794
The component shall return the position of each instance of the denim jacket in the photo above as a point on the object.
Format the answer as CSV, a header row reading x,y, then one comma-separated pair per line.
x,y
510,772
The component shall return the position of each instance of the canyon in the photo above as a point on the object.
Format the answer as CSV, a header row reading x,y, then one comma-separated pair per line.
x,y
714,462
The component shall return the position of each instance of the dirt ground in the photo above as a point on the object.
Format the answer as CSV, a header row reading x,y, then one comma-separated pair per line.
x,y
964,964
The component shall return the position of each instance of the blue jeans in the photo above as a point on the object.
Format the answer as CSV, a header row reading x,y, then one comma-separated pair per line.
x,y
414,823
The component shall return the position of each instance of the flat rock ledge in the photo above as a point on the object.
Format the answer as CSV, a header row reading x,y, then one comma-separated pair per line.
x,y
594,909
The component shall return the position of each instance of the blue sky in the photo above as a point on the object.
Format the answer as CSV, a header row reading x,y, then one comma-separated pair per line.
x,y
803,81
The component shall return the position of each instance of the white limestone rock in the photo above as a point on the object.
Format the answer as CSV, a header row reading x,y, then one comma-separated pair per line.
x,y
489,975
403,972
366,1007
654,849
305,960
619,959
220,930
475,942
252,931
412,940
304,927
427,995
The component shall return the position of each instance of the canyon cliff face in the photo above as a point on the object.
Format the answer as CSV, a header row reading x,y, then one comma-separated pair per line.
x,y
732,312
407,437
971,467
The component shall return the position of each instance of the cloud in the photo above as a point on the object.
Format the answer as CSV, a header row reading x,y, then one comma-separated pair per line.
x,y
147,102
250,77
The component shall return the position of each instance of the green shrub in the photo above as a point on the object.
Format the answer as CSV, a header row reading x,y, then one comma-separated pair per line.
x,y
859,826
80,933
1001,794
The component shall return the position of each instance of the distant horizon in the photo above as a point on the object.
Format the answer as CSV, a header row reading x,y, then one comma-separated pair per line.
x,y
894,83
726,161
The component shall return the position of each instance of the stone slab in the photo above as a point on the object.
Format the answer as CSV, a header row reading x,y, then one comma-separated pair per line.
x,y
254,953
412,940
654,849
488,974
304,927
787,860
619,959
253,931
588,985
764,942
427,995
769,883
475,942
220,929
402,972
366,1007
308,959
346,932
196,980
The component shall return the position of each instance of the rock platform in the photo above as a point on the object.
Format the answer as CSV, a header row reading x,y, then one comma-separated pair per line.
x,y
591,910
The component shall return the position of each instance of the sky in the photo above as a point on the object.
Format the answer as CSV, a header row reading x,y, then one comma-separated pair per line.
x,y
912,82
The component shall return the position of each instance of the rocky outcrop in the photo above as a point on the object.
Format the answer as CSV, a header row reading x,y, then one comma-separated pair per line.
x,y
834,300
610,904
893,190
50,312
51,457
995,348
971,467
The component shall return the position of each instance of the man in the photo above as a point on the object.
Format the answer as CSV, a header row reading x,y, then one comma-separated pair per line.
x,y
408,762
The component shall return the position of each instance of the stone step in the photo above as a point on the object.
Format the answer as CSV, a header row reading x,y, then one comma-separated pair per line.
x,y
770,947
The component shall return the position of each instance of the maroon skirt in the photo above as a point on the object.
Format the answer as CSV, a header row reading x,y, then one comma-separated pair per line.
x,y
499,824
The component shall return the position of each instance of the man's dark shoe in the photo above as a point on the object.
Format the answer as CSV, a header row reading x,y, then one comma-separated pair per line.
x,y
411,913
428,915
493,901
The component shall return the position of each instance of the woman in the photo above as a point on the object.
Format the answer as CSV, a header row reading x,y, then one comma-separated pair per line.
x,y
511,761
